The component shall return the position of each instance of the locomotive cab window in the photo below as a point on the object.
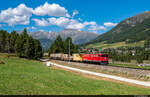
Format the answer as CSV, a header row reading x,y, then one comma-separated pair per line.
x,y
104,55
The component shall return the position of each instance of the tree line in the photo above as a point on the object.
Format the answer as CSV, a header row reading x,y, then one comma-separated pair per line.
x,y
22,44
126,54
60,46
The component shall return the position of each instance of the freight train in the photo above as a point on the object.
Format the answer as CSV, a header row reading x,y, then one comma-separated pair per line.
x,y
99,58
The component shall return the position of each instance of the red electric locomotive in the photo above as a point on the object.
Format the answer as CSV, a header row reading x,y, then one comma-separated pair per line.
x,y
96,58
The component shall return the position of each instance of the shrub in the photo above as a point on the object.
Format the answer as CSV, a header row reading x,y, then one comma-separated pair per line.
x,y
1,62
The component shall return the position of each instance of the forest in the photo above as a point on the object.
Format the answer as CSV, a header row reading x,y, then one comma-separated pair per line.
x,y
60,46
22,44
126,54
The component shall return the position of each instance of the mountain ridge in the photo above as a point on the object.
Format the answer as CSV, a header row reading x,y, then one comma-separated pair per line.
x,y
131,29
78,37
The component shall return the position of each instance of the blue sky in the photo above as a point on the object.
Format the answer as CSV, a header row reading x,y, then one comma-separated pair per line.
x,y
54,15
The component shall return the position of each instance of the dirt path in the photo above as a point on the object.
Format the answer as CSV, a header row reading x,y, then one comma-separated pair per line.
x,y
98,78
143,75
104,76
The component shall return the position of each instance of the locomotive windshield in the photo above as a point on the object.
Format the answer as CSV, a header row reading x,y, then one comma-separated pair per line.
x,y
104,55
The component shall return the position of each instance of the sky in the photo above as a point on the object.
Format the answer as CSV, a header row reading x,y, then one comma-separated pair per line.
x,y
97,16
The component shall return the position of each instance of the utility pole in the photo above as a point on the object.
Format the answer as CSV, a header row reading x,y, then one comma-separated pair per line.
x,y
69,50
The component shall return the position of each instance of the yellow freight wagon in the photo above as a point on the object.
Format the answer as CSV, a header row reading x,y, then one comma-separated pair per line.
x,y
77,57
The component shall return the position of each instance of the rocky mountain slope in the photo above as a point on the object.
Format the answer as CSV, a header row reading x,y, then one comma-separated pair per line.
x,y
78,37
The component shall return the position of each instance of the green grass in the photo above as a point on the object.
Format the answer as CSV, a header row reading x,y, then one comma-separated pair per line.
x,y
114,45
21,76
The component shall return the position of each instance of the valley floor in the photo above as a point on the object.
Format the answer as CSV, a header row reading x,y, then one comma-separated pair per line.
x,y
109,76
115,45
137,74
22,76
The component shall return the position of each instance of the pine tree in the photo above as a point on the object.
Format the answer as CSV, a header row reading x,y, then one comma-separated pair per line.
x,y
139,56
73,48
147,43
23,45
57,46
3,36
24,37
7,46
139,59
13,38
66,45
19,46
37,49
52,48
29,48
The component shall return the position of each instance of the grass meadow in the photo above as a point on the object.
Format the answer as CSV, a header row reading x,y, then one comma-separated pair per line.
x,y
30,77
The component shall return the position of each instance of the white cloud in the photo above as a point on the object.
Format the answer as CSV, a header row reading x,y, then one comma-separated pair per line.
x,y
62,21
96,28
51,10
69,23
79,19
109,24
42,22
74,24
75,12
93,26
18,15
31,28
21,15
90,23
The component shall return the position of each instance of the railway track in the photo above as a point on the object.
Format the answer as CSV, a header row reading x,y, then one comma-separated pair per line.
x,y
111,65
133,73
123,79
130,67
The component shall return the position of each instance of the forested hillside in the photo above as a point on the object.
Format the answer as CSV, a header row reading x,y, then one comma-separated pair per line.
x,y
133,29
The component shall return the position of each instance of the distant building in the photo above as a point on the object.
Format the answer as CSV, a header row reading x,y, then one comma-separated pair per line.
x,y
45,54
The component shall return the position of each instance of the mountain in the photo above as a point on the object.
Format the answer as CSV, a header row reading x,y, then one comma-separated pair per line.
x,y
78,37
132,29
